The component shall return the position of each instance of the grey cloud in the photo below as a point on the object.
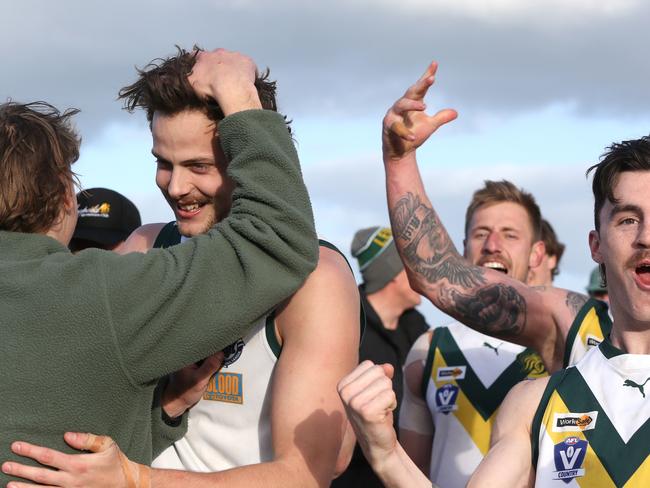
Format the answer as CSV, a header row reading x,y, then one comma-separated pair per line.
x,y
332,58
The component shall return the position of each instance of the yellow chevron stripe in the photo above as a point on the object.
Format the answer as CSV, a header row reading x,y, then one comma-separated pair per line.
x,y
477,429
590,326
641,476
596,476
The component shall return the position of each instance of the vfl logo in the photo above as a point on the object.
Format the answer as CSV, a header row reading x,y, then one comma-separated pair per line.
x,y
633,384
593,341
232,352
574,422
569,456
446,397
225,387
451,373
495,349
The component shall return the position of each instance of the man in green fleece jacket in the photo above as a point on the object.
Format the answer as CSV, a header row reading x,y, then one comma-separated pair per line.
x,y
86,337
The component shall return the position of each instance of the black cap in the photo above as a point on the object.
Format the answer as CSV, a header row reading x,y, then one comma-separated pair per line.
x,y
105,217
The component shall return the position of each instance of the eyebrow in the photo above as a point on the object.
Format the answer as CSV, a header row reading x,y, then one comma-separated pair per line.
x,y
625,208
187,161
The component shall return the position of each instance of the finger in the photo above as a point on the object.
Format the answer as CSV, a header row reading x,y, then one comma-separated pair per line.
x,y
442,117
88,442
355,373
211,365
350,390
419,89
44,455
389,370
399,127
369,395
404,105
43,476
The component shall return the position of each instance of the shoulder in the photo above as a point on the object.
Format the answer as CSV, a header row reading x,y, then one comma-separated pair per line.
x,y
415,363
142,238
328,294
521,403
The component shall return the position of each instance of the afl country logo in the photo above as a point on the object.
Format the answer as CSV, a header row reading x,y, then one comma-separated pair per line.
x,y
232,352
446,397
569,456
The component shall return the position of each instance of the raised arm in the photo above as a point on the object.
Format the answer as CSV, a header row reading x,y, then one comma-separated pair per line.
x,y
485,300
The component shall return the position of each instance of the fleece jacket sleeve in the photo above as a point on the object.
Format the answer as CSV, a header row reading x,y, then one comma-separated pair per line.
x,y
174,306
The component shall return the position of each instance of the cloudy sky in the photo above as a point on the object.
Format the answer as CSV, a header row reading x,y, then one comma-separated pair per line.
x,y
541,86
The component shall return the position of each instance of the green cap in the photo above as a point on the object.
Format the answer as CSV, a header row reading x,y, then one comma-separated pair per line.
x,y
596,284
377,255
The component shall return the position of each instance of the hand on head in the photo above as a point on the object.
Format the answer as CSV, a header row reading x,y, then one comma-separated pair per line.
x,y
406,124
228,77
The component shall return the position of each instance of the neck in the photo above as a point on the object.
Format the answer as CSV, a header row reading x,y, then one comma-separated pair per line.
x,y
629,335
387,307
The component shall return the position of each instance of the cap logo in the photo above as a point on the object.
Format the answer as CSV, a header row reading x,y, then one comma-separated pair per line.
x,y
376,244
101,210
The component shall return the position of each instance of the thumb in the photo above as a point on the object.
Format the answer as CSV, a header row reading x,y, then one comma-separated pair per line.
x,y
211,365
389,370
88,442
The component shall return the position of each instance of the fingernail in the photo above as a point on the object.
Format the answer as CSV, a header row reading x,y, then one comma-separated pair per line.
x,y
17,447
72,436
6,468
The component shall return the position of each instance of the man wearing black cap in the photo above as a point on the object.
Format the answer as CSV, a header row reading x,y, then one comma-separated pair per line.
x,y
392,324
106,218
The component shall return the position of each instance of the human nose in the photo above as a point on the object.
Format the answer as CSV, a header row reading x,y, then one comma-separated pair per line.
x,y
643,236
178,184
492,243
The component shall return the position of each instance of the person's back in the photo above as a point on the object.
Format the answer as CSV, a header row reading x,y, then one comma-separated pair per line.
x,y
85,337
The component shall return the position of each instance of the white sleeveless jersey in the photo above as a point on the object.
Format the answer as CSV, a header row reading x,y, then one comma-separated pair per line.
x,y
592,427
590,326
231,425
466,377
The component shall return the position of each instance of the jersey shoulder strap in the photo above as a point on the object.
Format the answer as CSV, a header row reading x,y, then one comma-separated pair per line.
x,y
168,236
601,311
428,365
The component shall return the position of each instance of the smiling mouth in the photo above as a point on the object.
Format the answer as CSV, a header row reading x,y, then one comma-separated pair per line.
x,y
495,265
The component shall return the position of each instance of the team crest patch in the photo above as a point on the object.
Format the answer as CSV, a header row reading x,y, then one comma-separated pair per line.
x,y
569,456
225,387
451,373
102,210
574,422
233,352
446,397
532,365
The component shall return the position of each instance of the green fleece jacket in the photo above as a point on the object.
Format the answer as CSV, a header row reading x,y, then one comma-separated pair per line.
x,y
84,338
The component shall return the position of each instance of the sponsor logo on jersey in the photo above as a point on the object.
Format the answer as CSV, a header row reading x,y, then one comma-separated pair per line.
x,y
490,346
593,341
574,422
446,397
225,387
450,373
532,365
569,456
233,352
638,386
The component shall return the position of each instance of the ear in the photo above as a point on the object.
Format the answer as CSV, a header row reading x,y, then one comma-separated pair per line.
x,y
537,252
70,200
594,246
552,262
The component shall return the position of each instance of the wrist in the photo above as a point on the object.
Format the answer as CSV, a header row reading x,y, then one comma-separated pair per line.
x,y
397,470
239,100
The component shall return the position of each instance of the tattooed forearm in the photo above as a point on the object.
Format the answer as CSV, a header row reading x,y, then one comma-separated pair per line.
x,y
426,247
495,310
575,301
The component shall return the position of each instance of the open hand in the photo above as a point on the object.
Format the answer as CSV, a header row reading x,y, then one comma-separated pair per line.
x,y
107,467
406,124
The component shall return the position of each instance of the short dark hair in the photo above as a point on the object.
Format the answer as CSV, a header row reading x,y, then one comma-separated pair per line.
x,y
38,146
553,246
504,191
633,155
162,86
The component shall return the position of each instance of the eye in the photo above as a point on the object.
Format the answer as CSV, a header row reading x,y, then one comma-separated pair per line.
x,y
511,236
163,165
628,221
480,234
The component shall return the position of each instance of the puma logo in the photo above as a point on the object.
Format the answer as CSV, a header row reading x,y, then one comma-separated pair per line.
x,y
633,384
495,349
